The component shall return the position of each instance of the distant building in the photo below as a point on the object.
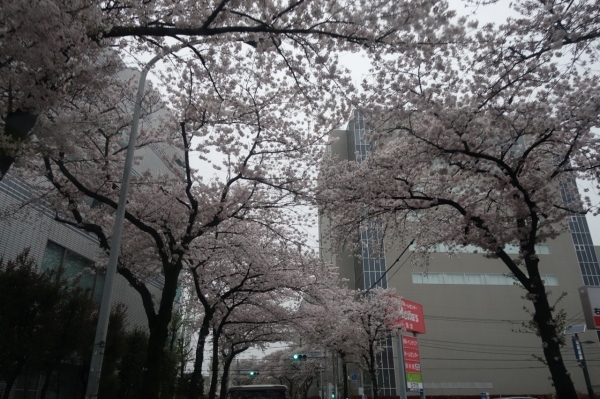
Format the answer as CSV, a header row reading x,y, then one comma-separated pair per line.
x,y
475,340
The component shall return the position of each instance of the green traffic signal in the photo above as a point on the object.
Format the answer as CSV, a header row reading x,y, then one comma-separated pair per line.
x,y
299,356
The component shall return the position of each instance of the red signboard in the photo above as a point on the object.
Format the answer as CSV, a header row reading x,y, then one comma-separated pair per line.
x,y
413,319
412,359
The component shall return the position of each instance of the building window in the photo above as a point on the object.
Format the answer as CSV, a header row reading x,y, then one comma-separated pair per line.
x,y
540,249
474,279
75,266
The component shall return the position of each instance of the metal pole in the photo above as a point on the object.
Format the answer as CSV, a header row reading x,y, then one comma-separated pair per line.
x,y
321,378
336,375
422,393
401,375
93,383
586,374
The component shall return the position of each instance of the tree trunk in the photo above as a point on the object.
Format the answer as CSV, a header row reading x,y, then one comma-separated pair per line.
x,y
372,365
159,331
225,377
227,368
344,376
196,389
307,386
544,320
212,391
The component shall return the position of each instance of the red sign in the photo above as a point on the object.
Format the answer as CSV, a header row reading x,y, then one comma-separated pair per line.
x,y
412,367
412,359
410,343
413,319
412,355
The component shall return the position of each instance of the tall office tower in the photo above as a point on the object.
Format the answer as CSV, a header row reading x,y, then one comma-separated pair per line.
x,y
476,339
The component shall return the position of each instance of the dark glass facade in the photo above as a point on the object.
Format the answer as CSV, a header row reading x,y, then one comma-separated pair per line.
x,y
369,267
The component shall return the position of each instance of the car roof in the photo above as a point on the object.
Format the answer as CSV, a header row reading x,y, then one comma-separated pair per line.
x,y
255,387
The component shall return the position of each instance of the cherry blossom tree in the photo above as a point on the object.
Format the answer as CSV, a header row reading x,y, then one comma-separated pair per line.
x,y
335,335
239,336
52,49
261,155
480,144
358,325
248,279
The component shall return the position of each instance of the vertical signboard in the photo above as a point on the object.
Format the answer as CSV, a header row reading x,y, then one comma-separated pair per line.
x,y
412,364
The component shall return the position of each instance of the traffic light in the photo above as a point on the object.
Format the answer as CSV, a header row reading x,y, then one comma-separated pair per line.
x,y
254,373
299,356
332,395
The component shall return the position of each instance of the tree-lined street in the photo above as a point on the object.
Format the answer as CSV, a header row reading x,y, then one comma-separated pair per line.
x,y
473,137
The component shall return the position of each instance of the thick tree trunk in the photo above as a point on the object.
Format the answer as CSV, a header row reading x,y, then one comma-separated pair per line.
x,y
159,331
196,389
544,319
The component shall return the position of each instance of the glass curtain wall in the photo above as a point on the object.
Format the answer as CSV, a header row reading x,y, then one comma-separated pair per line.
x,y
580,232
369,269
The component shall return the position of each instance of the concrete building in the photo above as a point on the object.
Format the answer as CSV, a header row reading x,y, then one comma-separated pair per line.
x,y
53,244
476,340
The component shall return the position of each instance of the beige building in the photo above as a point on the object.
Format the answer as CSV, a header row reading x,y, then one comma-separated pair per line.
x,y
476,340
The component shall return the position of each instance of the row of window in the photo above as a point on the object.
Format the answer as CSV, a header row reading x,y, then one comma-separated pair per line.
x,y
474,279
540,249
438,385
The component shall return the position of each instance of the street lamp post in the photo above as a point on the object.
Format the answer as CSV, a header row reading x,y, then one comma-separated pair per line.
x,y
93,383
